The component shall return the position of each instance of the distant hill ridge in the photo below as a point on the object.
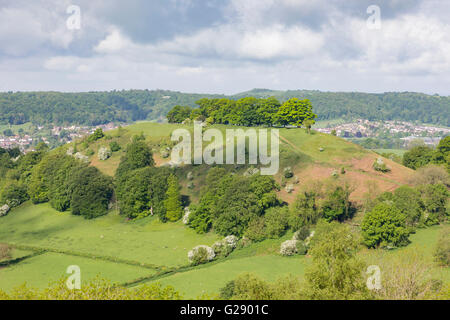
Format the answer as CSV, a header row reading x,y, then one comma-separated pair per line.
x,y
95,108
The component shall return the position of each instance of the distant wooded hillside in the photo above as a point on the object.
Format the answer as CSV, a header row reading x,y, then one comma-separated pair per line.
x,y
94,108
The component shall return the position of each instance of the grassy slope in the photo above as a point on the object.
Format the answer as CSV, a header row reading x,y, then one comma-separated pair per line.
x,y
299,150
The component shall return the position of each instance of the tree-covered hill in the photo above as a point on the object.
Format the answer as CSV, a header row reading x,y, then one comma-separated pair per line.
x,y
94,108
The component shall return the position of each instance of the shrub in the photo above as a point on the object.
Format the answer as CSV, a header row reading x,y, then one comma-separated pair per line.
x,y
302,248
379,165
335,273
435,199
4,210
89,152
114,146
442,250
289,248
256,230
304,211
418,157
408,201
287,172
302,234
201,254
174,211
97,135
91,192
138,155
337,206
104,154
222,249
14,194
384,226
276,221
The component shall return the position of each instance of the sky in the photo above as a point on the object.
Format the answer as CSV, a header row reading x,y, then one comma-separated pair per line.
x,y
225,46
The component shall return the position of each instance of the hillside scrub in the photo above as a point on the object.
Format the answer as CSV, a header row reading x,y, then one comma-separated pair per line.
x,y
98,289
229,203
442,250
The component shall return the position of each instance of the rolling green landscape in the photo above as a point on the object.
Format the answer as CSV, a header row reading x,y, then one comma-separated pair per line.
x,y
136,252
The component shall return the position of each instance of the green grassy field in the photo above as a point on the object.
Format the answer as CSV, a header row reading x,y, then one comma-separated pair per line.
x,y
43,269
210,279
398,152
148,241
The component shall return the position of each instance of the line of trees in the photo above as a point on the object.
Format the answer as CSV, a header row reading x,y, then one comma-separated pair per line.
x,y
248,112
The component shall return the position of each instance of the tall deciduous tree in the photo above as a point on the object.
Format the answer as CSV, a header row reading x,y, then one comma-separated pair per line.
x,y
172,203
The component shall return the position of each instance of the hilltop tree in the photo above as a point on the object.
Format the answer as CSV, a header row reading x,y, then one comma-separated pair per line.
x,y
174,211
295,112
178,114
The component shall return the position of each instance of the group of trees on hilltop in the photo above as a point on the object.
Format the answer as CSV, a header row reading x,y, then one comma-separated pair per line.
x,y
248,112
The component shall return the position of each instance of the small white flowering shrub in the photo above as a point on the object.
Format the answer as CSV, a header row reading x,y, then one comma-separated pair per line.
x,y
231,241
224,247
201,254
4,210
289,248
104,154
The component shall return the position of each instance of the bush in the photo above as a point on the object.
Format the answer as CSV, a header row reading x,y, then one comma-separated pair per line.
x,y
288,173
289,248
174,211
114,146
97,135
91,192
379,165
418,157
304,211
442,250
276,221
338,206
14,194
104,154
384,226
336,273
200,255
302,234
140,191
302,248
138,155
222,249
4,210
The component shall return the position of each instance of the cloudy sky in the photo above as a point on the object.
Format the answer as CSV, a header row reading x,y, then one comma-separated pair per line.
x,y
225,46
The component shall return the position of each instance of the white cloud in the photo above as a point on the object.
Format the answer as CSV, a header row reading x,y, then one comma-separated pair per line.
x,y
114,42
